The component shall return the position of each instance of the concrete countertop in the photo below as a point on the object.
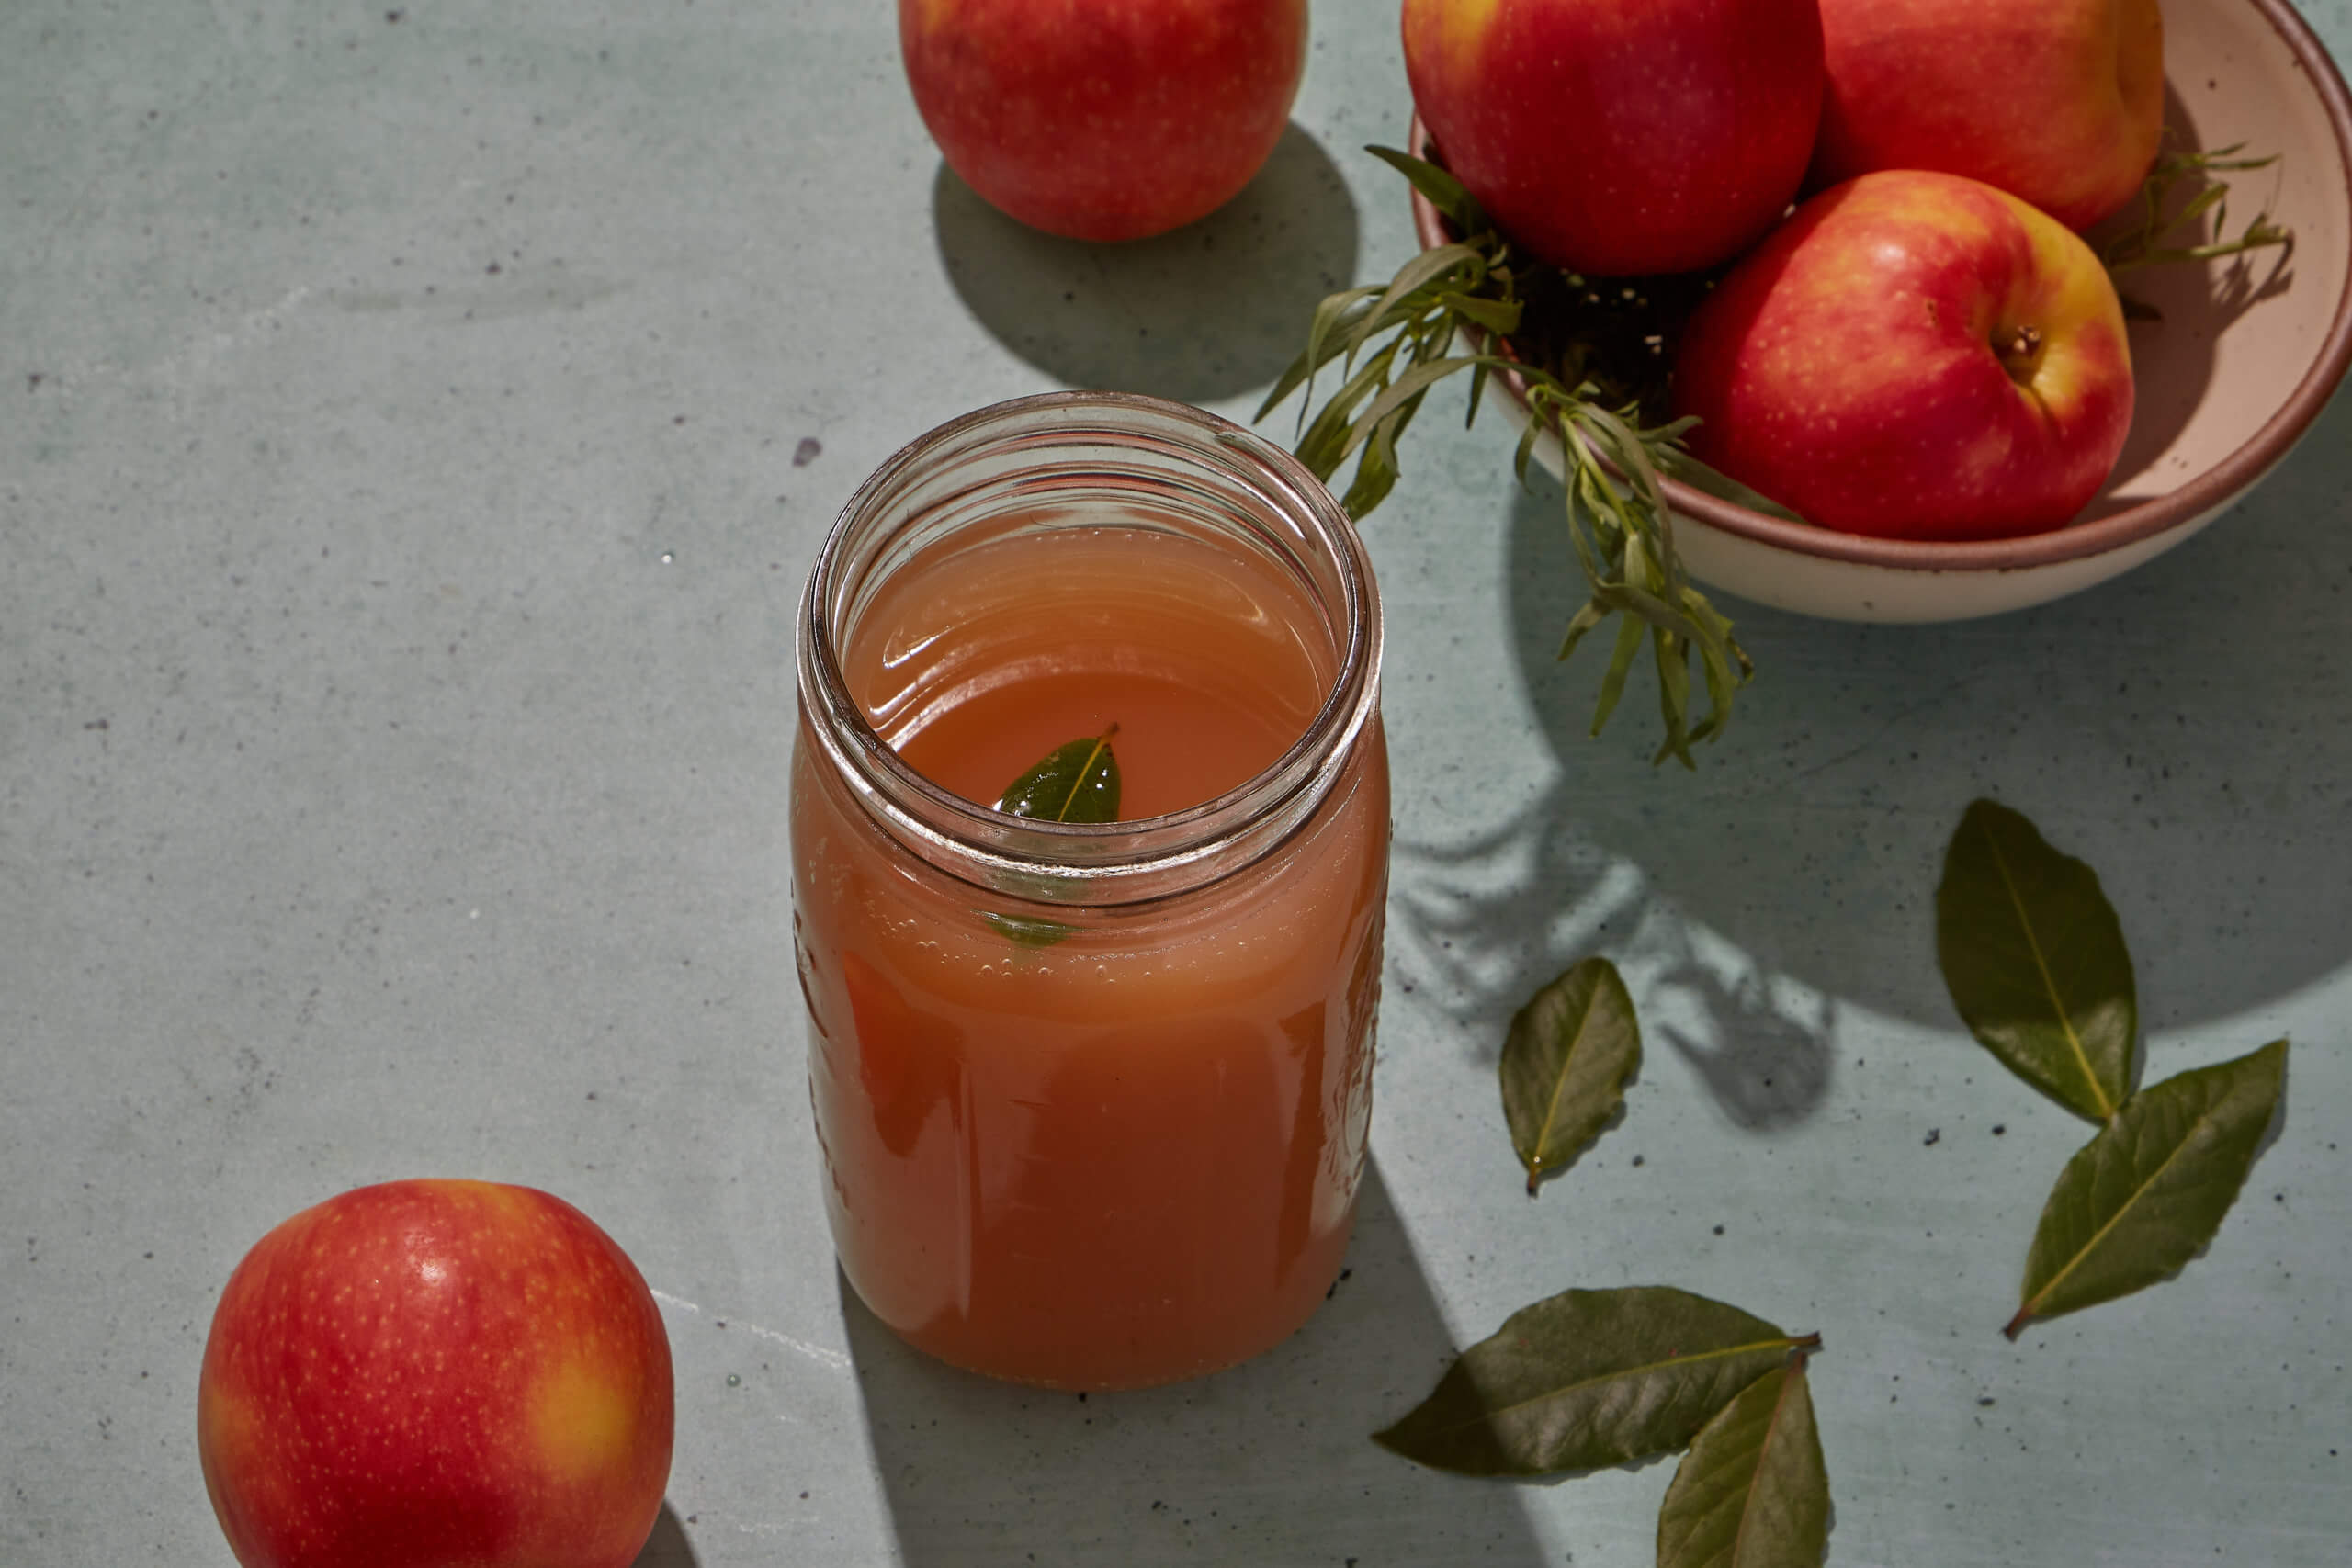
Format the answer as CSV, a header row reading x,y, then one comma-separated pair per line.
x,y
415,423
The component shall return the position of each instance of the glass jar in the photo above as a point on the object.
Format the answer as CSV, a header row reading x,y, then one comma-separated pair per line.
x,y
1091,1098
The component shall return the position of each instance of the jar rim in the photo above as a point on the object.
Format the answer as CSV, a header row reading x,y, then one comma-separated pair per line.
x,y
1110,863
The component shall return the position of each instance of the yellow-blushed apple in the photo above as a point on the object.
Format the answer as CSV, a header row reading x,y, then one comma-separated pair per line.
x,y
425,1374
1912,354
2061,102
1106,120
1621,137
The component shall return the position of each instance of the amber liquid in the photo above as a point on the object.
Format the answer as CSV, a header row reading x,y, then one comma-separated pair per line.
x,y
1130,1156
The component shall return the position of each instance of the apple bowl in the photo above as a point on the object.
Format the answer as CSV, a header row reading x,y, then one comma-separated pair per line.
x,y
2248,350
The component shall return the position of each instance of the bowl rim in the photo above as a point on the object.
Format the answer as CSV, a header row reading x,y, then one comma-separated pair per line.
x,y
2198,497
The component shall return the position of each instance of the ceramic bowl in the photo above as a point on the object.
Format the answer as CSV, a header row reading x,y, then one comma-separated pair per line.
x,y
2247,354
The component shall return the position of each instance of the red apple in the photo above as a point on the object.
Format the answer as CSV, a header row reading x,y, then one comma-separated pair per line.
x,y
424,1374
1616,138
1108,121
1913,355
2061,102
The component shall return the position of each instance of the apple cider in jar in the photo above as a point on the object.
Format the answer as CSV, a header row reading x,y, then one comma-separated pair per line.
x,y
1092,1095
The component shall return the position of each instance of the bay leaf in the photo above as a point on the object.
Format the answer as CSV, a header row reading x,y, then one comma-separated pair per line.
x,y
1076,781
1590,1378
1565,1062
2034,959
2145,1195
1752,1492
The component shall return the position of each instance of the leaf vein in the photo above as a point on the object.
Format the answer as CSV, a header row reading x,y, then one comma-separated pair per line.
x,y
1763,1452
1487,1417
1560,1085
2203,1119
1084,770
2033,945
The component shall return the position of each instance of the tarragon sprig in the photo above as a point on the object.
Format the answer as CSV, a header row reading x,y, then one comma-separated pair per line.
x,y
2149,238
1617,513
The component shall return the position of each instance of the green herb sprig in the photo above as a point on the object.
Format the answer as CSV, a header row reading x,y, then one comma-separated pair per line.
x,y
1617,513
2153,236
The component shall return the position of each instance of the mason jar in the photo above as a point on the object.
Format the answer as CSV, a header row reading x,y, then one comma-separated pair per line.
x,y
1092,1096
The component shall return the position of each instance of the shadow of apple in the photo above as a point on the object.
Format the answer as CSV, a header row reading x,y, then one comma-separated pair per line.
x,y
1211,310
667,1546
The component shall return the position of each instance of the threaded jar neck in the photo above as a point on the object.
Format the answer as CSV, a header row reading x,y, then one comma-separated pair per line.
x,y
1077,459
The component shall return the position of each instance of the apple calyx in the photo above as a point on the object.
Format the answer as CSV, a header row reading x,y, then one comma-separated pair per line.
x,y
2019,351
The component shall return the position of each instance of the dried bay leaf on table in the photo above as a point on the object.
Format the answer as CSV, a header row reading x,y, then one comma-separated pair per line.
x,y
1753,1490
1565,1062
2035,961
2145,1195
1590,1378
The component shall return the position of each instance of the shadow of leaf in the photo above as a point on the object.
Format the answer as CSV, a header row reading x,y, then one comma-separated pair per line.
x,y
1482,925
1767,1062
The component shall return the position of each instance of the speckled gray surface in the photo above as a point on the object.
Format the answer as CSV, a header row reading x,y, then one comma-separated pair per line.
x,y
414,422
